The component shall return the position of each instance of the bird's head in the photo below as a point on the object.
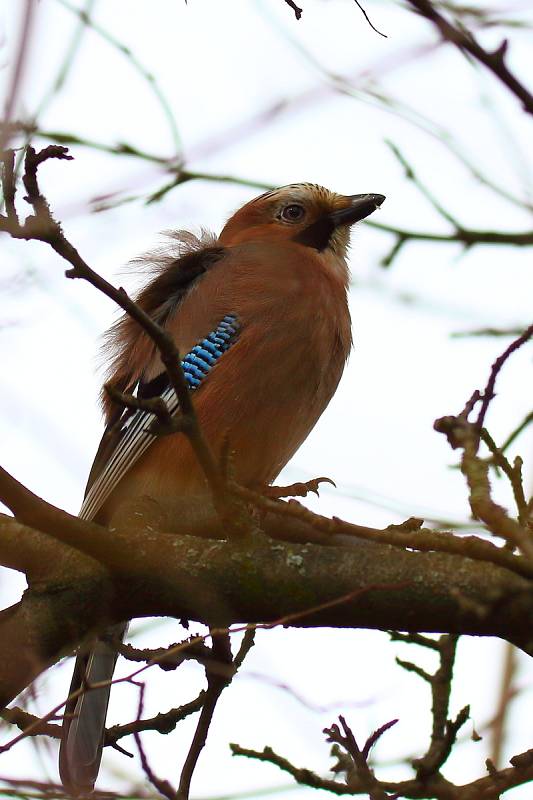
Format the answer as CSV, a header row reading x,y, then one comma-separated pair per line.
x,y
301,212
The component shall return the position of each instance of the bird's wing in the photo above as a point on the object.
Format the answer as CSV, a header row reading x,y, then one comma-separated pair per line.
x,y
128,436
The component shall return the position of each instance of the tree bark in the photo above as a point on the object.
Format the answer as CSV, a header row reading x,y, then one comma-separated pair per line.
x,y
257,579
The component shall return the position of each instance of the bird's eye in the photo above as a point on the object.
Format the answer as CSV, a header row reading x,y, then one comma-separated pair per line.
x,y
292,213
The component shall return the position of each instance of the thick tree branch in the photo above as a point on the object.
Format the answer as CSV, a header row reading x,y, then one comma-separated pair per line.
x,y
50,616
149,573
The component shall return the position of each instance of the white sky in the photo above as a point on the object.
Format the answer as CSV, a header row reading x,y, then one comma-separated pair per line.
x,y
219,64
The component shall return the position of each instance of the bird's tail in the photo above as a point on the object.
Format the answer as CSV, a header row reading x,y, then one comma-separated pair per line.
x,y
82,737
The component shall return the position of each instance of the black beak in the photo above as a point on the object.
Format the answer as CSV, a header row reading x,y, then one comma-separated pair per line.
x,y
318,234
362,206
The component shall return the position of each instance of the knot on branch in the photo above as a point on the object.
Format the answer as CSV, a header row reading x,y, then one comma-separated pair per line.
x,y
456,429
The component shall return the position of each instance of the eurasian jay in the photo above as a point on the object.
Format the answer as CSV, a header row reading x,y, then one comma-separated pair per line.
x,y
261,316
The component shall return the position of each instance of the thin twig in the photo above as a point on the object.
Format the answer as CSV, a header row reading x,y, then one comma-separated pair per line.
x,y
161,785
295,8
422,188
283,621
415,638
365,15
363,772
444,731
130,56
488,332
488,392
216,683
154,405
513,472
465,41
23,720
247,643
519,773
467,237
465,435
167,658
163,723
19,66
506,694
517,431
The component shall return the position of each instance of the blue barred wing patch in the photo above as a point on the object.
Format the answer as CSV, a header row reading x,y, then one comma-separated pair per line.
x,y
134,435
205,354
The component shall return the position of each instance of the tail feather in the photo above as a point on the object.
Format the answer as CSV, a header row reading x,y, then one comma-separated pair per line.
x,y
82,739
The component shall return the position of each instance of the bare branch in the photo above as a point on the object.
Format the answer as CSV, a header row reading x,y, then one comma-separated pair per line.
x,y
528,419
361,771
488,332
164,722
295,8
513,472
465,41
168,658
154,405
507,692
488,392
521,772
19,66
162,786
464,434
23,720
365,15
216,683
444,733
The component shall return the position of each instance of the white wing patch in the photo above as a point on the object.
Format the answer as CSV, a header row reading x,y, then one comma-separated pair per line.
x,y
135,440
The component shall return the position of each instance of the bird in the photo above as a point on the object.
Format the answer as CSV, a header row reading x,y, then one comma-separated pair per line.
x,y
260,314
